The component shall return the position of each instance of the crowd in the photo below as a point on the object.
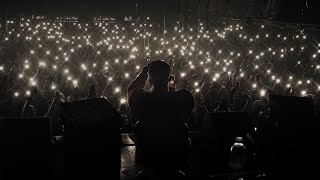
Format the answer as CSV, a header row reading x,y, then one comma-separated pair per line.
x,y
228,66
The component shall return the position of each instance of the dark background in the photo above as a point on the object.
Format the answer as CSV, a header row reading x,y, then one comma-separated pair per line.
x,y
89,7
287,10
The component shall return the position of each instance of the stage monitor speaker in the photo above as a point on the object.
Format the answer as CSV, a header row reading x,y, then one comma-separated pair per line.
x,y
91,138
294,119
24,147
293,140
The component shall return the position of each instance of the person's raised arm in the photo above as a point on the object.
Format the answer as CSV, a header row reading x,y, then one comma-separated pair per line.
x,y
56,101
138,82
26,105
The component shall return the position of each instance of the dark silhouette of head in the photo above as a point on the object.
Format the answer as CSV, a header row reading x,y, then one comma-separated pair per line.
x,y
159,73
92,92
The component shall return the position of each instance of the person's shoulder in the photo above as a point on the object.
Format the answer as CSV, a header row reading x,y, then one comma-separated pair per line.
x,y
140,93
183,93
185,99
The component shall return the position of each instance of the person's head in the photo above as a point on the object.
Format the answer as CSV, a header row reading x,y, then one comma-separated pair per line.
x,y
30,111
238,83
159,73
92,91
34,91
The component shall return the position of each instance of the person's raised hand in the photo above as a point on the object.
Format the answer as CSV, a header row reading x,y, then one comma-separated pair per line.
x,y
57,96
146,68
247,97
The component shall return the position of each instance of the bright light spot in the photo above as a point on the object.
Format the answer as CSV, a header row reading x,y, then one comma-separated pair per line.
x,y
83,66
16,94
196,84
75,82
42,64
303,93
28,93
197,90
53,87
262,93
183,74
254,85
117,90
123,101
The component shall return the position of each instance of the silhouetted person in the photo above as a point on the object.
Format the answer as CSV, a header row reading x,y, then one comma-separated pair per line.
x,y
161,132
92,92
28,109
222,107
